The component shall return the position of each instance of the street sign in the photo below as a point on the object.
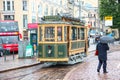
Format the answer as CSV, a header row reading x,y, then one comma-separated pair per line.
x,y
108,20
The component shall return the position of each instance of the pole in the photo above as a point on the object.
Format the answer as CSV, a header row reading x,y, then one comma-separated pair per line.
x,y
99,17
73,9
80,9
0,15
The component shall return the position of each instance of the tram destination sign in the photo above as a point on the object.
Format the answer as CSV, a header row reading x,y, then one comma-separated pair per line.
x,y
52,18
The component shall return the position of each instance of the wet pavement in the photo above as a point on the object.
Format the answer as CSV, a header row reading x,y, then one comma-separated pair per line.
x,y
87,70
11,63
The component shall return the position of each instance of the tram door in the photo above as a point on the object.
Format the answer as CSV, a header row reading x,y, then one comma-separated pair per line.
x,y
33,42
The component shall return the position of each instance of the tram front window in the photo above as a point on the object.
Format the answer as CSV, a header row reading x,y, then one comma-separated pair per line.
x,y
49,34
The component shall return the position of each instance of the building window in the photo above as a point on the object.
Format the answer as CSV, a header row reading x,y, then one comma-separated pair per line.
x,y
8,17
60,2
91,23
51,11
33,19
24,5
8,5
25,21
56,12
13,5
4,5
40,9
46,10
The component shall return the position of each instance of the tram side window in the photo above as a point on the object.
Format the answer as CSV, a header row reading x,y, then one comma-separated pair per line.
x,y
49,34
65,33
59,33
74,33
40,34
82,34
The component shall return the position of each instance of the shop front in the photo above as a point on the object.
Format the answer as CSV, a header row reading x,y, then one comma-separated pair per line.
x,y
32,27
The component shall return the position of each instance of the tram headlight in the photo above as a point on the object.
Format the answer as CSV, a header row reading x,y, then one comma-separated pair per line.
x,y
49,49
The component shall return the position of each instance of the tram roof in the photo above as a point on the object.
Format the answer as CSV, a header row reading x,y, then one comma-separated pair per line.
x,y
54,22
60,22
61,19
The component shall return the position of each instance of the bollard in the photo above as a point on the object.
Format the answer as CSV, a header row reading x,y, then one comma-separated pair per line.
x,y
13,54
4,52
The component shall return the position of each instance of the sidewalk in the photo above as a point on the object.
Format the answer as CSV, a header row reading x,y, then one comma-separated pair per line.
x,y
16,63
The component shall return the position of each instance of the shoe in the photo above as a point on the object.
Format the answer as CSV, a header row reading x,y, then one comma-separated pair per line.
x,y
105,72
98,70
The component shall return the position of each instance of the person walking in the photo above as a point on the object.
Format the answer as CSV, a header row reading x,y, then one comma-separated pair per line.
x,y
102,56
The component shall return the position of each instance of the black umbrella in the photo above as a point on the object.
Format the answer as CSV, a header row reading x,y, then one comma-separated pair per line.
x,y
106,39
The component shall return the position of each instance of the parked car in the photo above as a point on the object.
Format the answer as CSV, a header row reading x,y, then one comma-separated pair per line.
x,y
1,47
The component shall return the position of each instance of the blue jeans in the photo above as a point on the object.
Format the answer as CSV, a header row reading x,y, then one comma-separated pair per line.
x,y
104,63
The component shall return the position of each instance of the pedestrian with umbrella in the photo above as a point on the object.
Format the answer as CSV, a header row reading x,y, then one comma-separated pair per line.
x,y
102,48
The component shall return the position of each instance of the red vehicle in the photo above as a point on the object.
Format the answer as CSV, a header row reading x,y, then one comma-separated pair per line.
x,y
9,33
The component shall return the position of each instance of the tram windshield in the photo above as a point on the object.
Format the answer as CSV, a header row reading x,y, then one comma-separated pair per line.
x,y
49,33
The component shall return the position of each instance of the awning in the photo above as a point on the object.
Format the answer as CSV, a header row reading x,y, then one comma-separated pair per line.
x,y
32,25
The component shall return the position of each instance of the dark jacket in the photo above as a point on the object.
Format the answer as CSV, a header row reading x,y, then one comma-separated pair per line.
x,y
102,51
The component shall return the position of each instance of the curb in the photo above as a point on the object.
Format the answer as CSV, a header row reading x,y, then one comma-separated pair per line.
x,y
26,66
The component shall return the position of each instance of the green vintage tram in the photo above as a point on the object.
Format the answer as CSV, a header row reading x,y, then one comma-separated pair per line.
x,y
61,39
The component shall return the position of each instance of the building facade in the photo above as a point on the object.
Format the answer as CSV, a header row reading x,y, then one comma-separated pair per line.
x,y
29,11
87,11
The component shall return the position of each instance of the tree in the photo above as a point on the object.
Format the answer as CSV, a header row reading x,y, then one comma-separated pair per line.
x,y
106,8
110,8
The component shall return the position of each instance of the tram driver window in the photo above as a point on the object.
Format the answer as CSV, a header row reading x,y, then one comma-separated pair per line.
x,y
74,33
